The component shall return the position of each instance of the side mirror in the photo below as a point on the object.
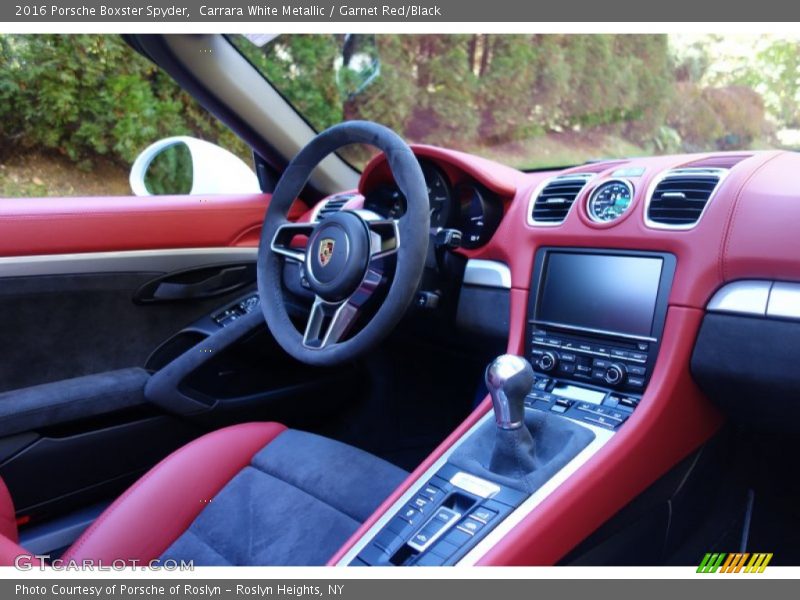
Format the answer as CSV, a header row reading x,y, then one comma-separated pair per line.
x,y
187,165
359,65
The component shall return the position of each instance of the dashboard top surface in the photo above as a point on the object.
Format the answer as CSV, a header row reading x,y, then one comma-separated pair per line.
x,y
747,229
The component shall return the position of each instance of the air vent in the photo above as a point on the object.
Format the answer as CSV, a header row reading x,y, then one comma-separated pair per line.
x,y
679,197
551,202
332,205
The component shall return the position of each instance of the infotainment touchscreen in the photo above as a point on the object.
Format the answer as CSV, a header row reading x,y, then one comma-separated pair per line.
x,y
599,292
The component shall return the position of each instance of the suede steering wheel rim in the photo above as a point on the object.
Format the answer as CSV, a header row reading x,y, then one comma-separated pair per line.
x,y
343,257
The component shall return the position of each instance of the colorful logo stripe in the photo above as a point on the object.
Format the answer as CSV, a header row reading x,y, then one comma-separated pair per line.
x,y
734,562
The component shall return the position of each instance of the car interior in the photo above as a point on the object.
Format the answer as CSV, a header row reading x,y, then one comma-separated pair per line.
x,y
440,360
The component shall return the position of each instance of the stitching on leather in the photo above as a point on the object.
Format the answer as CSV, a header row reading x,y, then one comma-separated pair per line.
x,y
306,492
731,221
121,500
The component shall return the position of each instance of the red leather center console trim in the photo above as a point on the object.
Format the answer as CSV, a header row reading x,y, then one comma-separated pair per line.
x,y
160,506
10,551
8,523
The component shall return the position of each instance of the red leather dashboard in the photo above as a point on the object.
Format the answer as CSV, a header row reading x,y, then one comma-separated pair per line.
x,y
749,230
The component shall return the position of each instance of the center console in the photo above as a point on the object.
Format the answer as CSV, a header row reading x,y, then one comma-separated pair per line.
x,y
594,325
595,320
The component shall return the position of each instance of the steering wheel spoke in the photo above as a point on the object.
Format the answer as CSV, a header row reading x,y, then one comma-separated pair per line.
x,y
384,238
282,241
329,322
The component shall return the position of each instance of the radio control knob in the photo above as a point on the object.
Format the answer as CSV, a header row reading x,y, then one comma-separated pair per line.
x,y
615,374
547,361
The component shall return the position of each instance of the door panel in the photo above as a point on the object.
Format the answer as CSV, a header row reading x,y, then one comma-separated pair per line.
x,y
63,326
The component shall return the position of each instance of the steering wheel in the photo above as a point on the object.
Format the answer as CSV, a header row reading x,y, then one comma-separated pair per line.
x,y
342,262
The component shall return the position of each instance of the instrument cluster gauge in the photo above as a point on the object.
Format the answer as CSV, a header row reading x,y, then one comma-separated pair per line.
x,y
440,197
610,200
388,201
479,214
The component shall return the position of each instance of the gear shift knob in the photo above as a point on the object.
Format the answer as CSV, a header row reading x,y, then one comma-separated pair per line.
x,y
509,379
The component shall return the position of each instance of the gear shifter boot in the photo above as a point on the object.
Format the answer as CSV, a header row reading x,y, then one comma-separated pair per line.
x,y
523,462
513,454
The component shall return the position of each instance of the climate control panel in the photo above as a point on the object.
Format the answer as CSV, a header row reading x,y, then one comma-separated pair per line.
x,y
620,365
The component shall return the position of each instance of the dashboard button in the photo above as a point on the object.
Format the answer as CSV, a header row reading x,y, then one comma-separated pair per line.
x,y
637,370
567,368
568,357
619,353
638,356
601,363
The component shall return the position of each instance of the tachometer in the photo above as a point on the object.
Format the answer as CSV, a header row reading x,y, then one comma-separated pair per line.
x,y
388,201
610,200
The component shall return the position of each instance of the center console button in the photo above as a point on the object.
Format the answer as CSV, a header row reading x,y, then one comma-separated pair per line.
x,y
410,514
619,353
639,356
420,502
567,368
636,382
433,529
601,363
470,526
568,357
430,492
483,514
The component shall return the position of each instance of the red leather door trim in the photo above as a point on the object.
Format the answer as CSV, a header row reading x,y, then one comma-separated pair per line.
x,y
32,226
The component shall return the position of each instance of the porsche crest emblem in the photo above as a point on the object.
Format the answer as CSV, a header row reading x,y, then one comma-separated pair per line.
x,y
325,251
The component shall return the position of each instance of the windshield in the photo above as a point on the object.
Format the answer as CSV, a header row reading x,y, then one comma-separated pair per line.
x,y
533,101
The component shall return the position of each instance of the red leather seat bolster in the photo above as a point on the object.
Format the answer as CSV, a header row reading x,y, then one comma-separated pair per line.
x,y
8,521
158,508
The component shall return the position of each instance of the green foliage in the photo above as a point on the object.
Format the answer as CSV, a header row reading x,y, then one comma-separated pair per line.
x,y
471,91
775,73
170,171
84,96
